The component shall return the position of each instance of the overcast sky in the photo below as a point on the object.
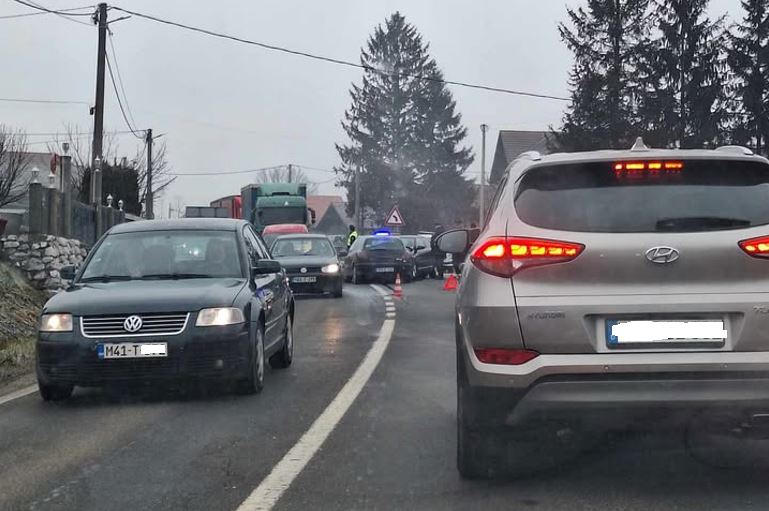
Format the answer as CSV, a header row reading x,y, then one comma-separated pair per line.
x,y
226,106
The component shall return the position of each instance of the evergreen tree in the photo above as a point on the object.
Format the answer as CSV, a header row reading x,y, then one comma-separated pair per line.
x,y
608,42
405,135
749,64
684,72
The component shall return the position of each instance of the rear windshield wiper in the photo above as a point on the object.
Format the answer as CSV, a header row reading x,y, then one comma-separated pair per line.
x,y
176,276
697,223
105,278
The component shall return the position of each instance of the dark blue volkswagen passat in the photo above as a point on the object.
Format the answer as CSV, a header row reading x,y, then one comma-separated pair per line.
x,y
155,300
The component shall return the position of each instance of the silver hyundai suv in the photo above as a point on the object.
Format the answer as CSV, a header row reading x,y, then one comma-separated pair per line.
x,y
611,281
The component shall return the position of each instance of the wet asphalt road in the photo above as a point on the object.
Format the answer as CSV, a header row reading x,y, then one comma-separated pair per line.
x,y
206,449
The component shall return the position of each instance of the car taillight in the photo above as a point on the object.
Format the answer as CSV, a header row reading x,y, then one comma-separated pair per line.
x,y
503,257
756,247
504,356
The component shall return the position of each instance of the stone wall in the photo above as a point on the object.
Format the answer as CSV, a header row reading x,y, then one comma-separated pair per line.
x,y
42,257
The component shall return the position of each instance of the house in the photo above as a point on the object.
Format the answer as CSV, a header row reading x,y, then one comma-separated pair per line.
x,y
330,215
512,143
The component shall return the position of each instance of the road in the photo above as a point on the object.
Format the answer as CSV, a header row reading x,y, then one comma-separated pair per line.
x,y
394,448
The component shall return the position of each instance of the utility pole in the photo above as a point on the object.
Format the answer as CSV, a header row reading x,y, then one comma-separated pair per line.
x,y
148,199
98,109
482,210
357,220
290,168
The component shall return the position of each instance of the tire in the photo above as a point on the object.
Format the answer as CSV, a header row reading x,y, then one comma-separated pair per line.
x,y
53,392
338,291
357,278
413,273
283,358
254,382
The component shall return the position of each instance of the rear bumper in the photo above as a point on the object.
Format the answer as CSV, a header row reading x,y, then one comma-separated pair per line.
x,y
373,270
324,283
601,385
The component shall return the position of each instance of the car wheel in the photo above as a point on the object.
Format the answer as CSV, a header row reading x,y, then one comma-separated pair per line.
x,y
53,392
283,358
357,278
338,290
254,381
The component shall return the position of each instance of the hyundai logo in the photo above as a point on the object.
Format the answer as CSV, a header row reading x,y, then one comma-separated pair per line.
x,y
662,255
132,324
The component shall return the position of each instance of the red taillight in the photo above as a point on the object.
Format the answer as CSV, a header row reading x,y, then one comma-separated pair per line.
x,y
504,356
504,256
756,247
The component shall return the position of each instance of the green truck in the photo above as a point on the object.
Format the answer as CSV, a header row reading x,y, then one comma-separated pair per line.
x,y
275,203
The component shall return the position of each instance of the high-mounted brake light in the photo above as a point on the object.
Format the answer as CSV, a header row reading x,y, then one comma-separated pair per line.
x,y
503,257
635,166
504,356
756,247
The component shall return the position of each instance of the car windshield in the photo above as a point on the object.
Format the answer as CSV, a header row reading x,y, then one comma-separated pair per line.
x,y
297,247
384,243
165,255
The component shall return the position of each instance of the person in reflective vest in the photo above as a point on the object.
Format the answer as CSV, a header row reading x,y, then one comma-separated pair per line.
x,y
352,236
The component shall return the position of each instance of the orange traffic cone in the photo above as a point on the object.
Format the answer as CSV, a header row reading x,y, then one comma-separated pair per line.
x,y
451,283
398,291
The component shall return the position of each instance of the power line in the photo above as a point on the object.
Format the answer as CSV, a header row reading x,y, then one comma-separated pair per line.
x,y
334,60
38,13
45,101
119,101
66,15
80,134
232,172
119,77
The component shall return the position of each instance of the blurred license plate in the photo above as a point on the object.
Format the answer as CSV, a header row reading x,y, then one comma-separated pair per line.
x,y
132,350
304,280
386,269
620,332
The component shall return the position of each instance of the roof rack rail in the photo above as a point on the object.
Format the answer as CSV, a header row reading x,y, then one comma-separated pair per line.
x,y
735,149
532,155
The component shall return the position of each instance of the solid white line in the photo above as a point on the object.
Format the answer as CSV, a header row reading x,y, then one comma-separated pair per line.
x,y
17,394
266,495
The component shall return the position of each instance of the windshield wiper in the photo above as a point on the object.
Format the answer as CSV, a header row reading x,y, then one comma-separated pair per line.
x,y
689,223
105,278
176,276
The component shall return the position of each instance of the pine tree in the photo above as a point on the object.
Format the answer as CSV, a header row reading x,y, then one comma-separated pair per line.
x,y
404,131
607,40
684,72
749,63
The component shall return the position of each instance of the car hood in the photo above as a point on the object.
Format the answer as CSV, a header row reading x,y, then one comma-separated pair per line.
x,y
300,261
181,295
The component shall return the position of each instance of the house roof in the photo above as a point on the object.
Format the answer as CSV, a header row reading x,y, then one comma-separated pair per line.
x,y
321,203
511,143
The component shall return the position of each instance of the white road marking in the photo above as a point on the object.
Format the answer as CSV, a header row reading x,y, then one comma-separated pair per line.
x,y
17,394
269,491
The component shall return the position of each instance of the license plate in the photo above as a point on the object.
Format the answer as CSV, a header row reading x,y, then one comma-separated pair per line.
x,y
132,350
386,269
304,280
663,331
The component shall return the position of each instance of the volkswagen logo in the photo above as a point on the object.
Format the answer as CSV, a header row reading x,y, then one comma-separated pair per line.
x,y
132,324
303,270
662,255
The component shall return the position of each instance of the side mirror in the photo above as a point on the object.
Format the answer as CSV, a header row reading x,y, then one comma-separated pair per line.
x,y
453,242
68,272
266,267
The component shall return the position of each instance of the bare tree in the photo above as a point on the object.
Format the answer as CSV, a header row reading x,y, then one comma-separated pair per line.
x,y
14,160
280,174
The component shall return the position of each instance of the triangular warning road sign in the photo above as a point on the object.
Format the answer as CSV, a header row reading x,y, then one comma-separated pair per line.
x,y
394,217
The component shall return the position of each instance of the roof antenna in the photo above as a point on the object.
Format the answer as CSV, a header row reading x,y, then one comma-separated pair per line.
x,y
639,145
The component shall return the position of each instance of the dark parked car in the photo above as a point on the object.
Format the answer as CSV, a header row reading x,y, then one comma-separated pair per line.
x,y
378,258
311,263
168,299
425,262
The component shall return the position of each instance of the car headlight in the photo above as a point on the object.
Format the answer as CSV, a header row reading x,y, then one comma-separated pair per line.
x,y
219,316
56,323
330,268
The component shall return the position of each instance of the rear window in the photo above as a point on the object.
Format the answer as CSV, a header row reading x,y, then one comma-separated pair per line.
x,y
383,243
688,196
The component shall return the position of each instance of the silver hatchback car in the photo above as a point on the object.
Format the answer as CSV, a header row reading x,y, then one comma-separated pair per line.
x,y
611,281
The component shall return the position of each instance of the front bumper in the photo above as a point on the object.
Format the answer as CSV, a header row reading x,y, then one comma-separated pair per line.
x,y
210,352
324,282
